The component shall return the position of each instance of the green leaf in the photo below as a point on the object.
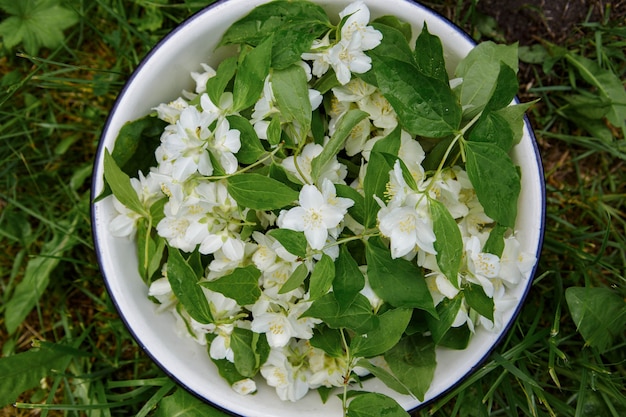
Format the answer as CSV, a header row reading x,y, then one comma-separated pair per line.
x,y
121,187
20,372
259,192
496,181
358,316
413,362
397,24
149,252
429,57
182,403
478,300
251,75
447,310
377,175
135,144
37,276
184,283
242,285
394,45
448,243
349,279
291,91
216,85
599,315
250,350
493,128
294,242
329,340
385,376
251,148
344,126
425,106
35,23
398,281
392,324
322,277
357,211
495,241
274,130
456,337
514,115
228,371
505,89
295,280
479,71
375,405
300,22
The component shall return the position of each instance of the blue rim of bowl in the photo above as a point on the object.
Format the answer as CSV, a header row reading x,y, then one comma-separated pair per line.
x,y
97,173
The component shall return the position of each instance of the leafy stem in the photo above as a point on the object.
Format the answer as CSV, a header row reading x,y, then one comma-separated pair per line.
x,y
260,161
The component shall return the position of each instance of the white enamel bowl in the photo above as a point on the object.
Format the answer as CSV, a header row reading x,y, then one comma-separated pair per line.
x,y
160,78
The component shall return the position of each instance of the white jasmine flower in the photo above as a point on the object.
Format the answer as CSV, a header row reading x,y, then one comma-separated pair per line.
x,y
286,370
356,25
245,386
346,57
483,267
226,143
170,112
317,213
354,91
515,265
277,328
381,113
201,78
162,291
326,371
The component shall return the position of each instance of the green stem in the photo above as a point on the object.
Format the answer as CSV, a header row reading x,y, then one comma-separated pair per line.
x,y
346,378
249,167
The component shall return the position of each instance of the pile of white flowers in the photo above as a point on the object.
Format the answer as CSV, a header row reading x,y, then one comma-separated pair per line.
x,y
198,154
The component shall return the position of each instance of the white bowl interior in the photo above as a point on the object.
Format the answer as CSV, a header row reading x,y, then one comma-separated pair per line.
x,y
161,77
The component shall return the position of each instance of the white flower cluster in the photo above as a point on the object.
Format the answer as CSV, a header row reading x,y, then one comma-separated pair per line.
x,y
200,214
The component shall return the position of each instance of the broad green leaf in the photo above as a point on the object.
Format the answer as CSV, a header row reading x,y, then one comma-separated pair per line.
x,y
357,317
329,340
37,277
357,211
425,106
251,148
447,310
259,192
608,84
448,243
322,277
493,128
135,144
291,91
495,241
227,370
295,280
398,281
274,131
182,403
514,115
35,24
456,337
477,299
250,350
216,85
121,187
385,376
505,89
429,57
349,279
242,285
392,324
479,71
294,242
251,75
149,251
396,23
377,175
375,405
413,362
496,181
599,315
344,126
299,22
184,282
394,45
23,371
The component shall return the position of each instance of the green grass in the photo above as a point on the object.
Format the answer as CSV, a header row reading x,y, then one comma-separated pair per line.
x,y
53,105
